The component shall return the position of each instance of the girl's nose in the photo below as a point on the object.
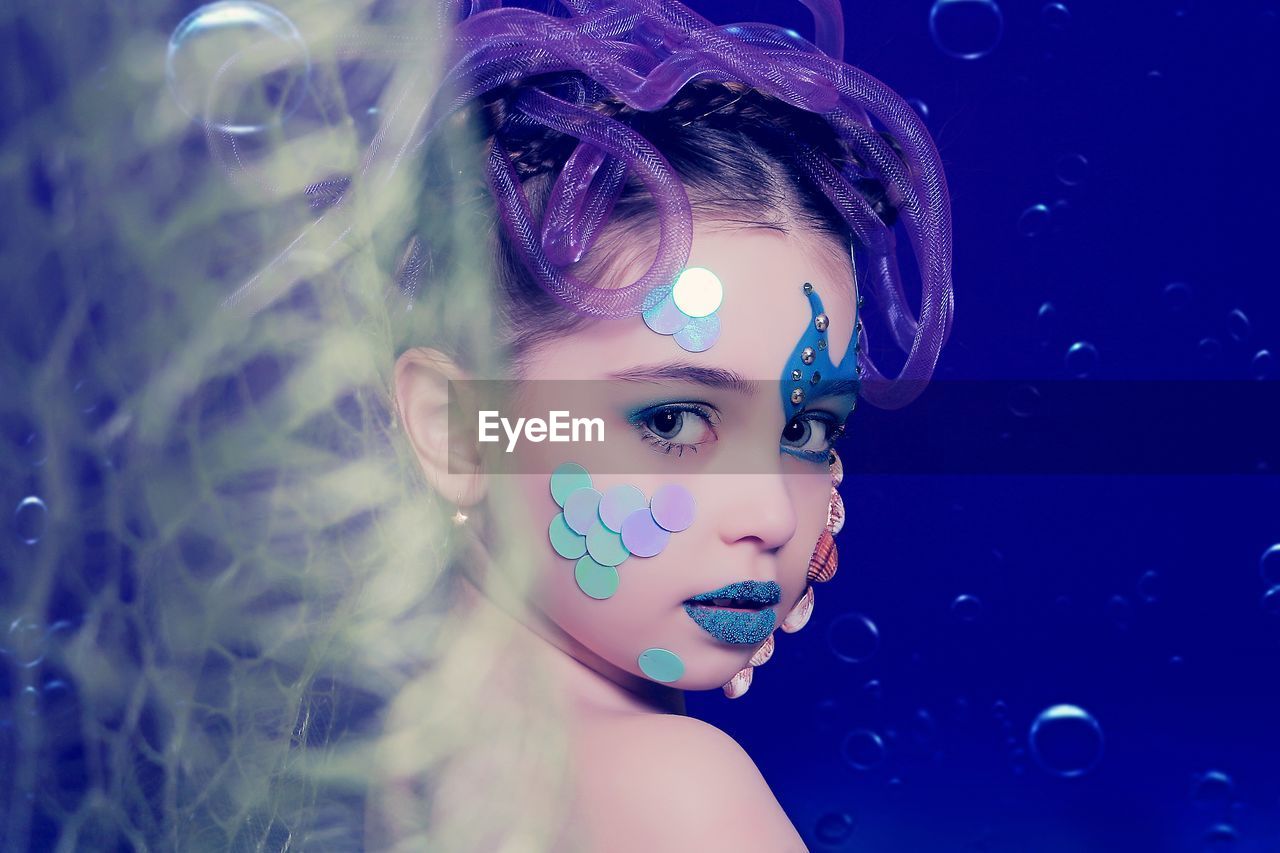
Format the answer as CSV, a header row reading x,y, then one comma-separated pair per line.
x,y
756,506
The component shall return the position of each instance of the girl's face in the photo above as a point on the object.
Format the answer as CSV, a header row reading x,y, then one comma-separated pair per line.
x,y
756,470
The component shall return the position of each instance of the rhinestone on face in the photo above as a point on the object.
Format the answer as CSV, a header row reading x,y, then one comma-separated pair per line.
x,y
820,322
815,378
795,375
822,344
806,355
859,369
797,396
808,288
857,327
861,299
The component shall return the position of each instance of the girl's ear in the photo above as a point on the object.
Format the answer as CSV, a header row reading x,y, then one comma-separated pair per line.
x,y
422,378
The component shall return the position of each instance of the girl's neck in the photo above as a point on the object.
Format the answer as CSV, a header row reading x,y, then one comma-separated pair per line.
x,y
590,683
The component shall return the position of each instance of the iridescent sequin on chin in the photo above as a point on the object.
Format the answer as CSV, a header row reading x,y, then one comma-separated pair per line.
x,y
600,531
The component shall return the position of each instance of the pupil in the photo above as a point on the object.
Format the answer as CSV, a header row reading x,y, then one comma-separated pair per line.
x,y
665,422
795,431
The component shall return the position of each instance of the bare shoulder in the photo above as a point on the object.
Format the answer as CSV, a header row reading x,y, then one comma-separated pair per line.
x,y
670,782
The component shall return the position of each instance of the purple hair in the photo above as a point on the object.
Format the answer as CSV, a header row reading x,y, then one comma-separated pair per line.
x,y
568,98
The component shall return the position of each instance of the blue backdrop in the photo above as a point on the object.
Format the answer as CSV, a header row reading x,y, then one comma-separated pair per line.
x,y
1037,640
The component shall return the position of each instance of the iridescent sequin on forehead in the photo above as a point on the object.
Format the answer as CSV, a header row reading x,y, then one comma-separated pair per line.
x,y
809,370
687,311
698,292
699,335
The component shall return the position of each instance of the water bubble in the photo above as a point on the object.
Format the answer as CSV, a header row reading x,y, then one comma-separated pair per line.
x,y
240,65
1066,741
1177,296
966,29
1062,214
967,608
1176,662
24,437
863,749
1046,322
1210,349
1262,364
833,828
1082,359
1056,16
29,519
1018,760
923,727
920,107
1149,587
1212,788
25,642
1024,401
1034,221
1221,836
1238,325
1120,612
1271,601
999,709
873,690
1072,168
853,637
1269,565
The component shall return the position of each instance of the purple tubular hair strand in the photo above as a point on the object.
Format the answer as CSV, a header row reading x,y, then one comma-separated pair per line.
x,y
643,52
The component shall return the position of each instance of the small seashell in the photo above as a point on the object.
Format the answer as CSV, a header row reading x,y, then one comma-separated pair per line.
x,y
799,615
835,513
837,469
763,653
739,684
824,560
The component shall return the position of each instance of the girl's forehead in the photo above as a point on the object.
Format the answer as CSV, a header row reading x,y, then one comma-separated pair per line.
x,y
761,316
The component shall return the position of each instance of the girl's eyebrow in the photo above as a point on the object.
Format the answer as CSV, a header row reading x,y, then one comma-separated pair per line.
x,y
715,377
683,371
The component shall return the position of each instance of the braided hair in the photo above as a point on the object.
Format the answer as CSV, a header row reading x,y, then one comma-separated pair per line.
x,y
733,149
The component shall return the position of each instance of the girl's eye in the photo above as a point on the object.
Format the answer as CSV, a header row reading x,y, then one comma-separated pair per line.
x,y
812,435
677,427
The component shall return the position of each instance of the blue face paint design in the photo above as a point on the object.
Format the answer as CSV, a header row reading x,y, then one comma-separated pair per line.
x,y
809,372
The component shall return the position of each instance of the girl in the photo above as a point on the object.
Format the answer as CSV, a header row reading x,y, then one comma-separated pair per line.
x,y
665,557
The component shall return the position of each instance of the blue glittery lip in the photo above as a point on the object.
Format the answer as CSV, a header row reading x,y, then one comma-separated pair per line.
x,y
767,593
737,627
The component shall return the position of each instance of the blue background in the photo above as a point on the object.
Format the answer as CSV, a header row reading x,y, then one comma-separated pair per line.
x,y
1143,131
1136,598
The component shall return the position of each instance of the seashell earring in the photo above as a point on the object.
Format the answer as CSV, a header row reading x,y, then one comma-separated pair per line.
x,y
822,567
799,615
823,563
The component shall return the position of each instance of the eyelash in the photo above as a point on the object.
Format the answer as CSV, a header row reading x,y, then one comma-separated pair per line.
x,y
835,429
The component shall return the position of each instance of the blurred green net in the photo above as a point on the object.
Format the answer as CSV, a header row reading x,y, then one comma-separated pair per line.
x,y
225,615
